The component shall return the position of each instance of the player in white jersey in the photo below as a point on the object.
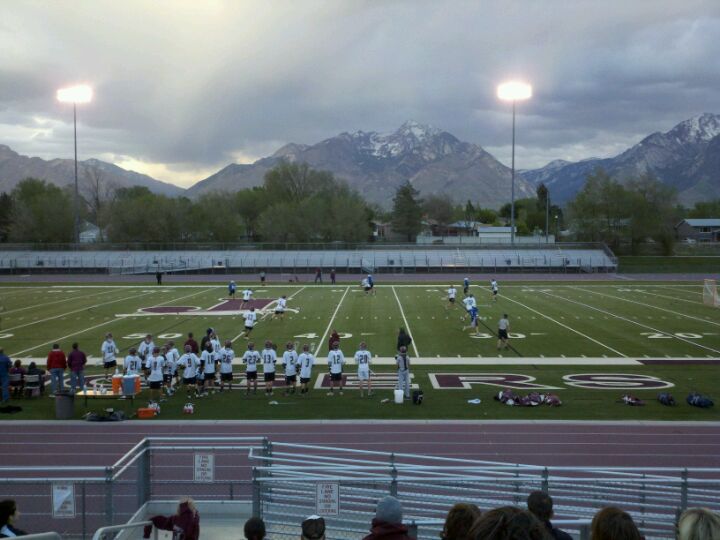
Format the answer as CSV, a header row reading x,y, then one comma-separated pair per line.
x,y
503,328
365,284
362,359
306,361
451,295
269,359
189,364
290,362
207,359
251,359
280,307
146,347
168,370
336,361
216,345
227,355
250,321
494,288
471,307
171,357
108,349
246,297
132,363
154,365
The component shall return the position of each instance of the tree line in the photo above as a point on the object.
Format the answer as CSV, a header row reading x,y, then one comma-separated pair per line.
x,y
298,204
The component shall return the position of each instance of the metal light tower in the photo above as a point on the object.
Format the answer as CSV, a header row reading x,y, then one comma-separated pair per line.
x,y
513,91
75,95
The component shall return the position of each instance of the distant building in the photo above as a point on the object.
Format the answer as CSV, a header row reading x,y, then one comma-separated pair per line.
x,y
89,234
700,230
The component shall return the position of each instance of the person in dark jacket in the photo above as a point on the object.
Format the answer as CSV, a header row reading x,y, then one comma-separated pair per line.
x,y
8,516
387,524
76,361
185,521
541,504
254,529
403,339
34,370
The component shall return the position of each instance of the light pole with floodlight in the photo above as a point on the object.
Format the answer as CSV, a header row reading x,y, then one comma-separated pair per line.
x,y
75,95
513,91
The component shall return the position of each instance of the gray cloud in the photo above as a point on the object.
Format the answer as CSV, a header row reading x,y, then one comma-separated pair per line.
x,y
193,85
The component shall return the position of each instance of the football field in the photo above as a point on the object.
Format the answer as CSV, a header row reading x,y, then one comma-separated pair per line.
x,y
564,335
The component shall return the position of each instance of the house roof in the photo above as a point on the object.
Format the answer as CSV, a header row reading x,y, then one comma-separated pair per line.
x,y
714,222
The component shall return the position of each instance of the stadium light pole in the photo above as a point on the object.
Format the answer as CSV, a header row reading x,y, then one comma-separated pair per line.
x,y
513,91
75,94
547,216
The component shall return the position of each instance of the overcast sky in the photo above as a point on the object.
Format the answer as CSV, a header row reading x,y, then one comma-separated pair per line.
x,y
182,88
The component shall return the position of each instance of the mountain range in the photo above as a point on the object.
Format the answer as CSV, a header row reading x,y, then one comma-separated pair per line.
x,y
15,167
687,157
375,164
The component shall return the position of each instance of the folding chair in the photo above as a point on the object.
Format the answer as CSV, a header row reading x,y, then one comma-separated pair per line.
x,y
32,386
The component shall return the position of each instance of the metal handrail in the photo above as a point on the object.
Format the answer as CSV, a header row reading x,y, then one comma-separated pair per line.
x,y
102,531
43,536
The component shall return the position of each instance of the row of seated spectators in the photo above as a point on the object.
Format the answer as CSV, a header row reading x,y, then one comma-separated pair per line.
x,y
28,381
468,522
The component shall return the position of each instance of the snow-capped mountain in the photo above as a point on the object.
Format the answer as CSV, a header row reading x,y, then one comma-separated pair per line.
x,y
686,157
375,164
15,167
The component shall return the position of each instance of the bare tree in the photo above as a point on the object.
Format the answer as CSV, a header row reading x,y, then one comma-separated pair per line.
x,y
100,194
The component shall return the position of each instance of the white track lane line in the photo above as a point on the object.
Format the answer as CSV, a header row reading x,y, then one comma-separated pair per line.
x,y
695,302
566,326
106,322
645,305
34,306
322,339
233,340
631,321
407,326
76,311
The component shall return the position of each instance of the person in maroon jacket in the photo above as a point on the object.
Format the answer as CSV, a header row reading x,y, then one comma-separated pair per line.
x,y
185,521
76,361
387,524
56,364
194,347
334,338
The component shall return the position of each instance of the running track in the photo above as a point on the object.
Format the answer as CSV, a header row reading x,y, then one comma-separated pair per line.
x,y
649,444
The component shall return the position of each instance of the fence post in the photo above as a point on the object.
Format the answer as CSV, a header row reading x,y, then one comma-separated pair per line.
x,y
584,532
517,484
109,496
83,509
545,480
143,474
684,490
256,503
412,529
393,475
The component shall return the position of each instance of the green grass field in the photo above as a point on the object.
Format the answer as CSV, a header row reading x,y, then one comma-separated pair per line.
x,y
558,330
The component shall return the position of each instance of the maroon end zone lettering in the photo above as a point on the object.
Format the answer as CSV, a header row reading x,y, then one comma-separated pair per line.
x,y
465,381
615,381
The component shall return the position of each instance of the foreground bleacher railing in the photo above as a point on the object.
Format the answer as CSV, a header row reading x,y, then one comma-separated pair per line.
x,y
280,482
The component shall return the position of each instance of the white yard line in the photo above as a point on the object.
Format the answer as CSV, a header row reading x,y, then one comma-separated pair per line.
x,y
44,304
75,311
670,287
695,302
322,339
407,326
566,326
104,323
648,305
631,321
233,340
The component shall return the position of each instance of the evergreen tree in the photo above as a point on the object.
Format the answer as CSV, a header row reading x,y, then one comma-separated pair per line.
x,y
407,211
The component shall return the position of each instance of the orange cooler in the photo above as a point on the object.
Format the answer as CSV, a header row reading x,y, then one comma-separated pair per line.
x,y
117,384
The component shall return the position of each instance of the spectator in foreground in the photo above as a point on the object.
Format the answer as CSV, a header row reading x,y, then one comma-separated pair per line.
x,y
16,387
387,523
76,362
56,364
8,515
254,529
34,370
611,523
508,523
459,521
5,367
698,524
186,520
313,528
403,339
541,504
